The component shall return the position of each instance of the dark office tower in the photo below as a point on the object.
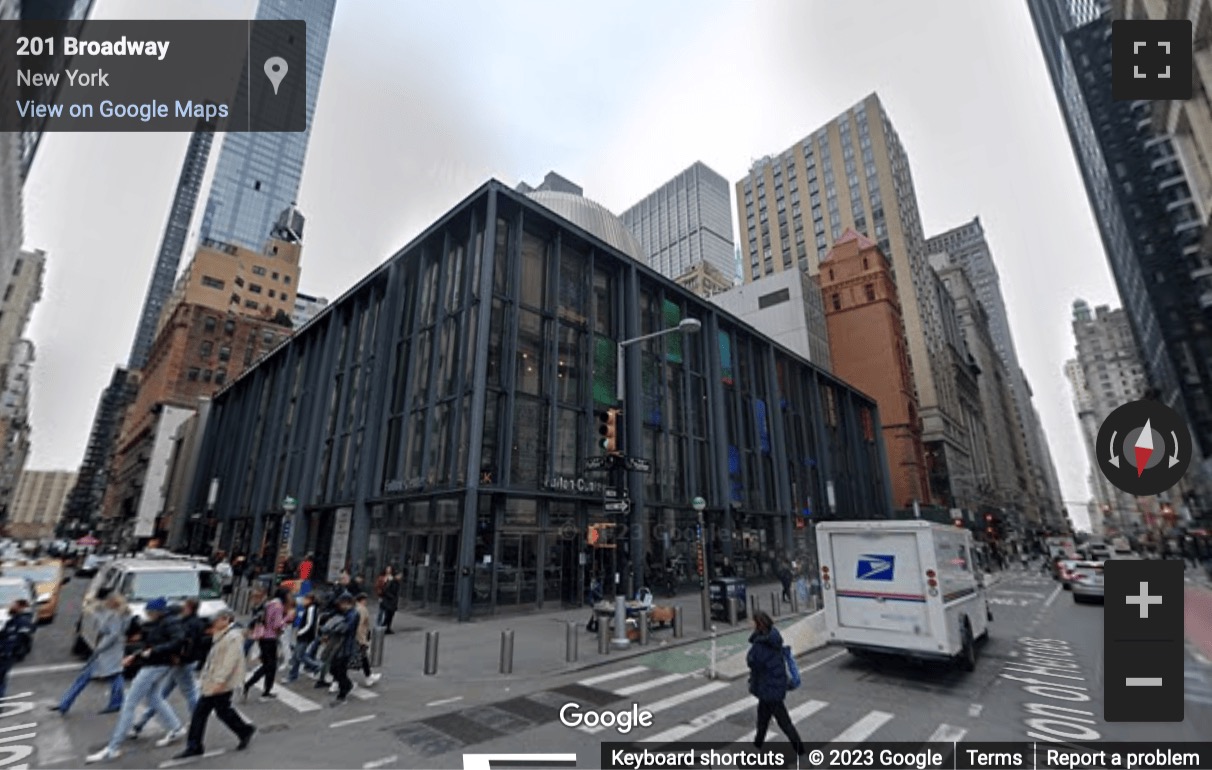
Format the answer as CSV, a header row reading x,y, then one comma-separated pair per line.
x,y
258,173
71,14
168,260
1149,224
82,511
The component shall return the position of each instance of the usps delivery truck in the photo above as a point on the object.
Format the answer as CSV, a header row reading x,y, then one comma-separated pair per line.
x,y
908,588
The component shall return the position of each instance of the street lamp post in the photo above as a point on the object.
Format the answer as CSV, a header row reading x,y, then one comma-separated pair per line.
x,y
699,504
686,326
289,506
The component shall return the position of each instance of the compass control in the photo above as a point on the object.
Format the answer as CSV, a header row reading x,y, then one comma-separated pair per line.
x,y
1144,448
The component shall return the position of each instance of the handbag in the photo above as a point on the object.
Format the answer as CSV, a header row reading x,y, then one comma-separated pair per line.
x,y
793,669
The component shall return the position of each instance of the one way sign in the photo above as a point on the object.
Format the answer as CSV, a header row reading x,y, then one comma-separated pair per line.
x,y
617,506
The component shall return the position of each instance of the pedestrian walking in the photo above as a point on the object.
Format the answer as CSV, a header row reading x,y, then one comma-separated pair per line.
x,y
286,639
306,567
194,646
106,661
768,681
363,639
389,599
161,641
784,575
227,576
222,673
266,635
15,639
343,630
307,638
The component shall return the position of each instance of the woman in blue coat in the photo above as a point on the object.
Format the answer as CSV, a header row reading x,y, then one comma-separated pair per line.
x,y
768,680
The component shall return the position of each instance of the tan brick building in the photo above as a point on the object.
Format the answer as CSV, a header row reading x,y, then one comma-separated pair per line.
x,y
38,503
869,350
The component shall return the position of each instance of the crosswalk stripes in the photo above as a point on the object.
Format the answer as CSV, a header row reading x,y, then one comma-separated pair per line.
x,y
670,702
862,729
702,722
361,693
296,701
649,684
947,734
591,681
802,711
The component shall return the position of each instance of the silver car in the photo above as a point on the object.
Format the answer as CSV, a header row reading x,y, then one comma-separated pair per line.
x,y
1086,581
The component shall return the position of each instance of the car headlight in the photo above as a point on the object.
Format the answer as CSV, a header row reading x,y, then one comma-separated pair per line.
x,y
44,598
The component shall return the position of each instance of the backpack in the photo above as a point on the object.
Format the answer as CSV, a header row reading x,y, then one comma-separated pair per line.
x,y
793,670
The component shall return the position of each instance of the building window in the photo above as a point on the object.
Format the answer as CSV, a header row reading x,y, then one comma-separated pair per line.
x,y
220,376
248,303
774,298
239,281
207,347
255,288
837,301
193,373
271,293
229,326
258,270
212,283
865,266
225,353
869,290
286,279
209,324
206,375
17,266
269,338
275,276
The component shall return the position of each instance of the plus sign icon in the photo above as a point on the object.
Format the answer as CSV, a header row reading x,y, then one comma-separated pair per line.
x,y
1151,59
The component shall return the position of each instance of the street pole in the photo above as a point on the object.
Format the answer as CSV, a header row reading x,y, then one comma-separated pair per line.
x,y
699,504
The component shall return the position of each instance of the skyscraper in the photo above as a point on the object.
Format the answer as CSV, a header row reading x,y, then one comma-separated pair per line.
x,y
967,247
854,173
1150,225
685,221
168,260
258,173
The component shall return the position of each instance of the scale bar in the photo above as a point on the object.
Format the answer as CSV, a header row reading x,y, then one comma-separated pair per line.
x,y
1143,681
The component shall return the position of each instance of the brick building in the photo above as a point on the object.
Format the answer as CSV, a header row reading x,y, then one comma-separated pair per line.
x,y
869,350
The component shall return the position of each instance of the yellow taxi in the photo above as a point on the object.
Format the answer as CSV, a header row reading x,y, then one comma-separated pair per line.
x,y
47,575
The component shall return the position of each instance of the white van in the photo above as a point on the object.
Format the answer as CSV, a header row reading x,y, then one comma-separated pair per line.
x,y
904,587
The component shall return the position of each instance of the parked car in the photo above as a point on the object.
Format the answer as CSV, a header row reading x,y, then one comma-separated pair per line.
x,y
92,564
48,576
144,578
1086,581
12,589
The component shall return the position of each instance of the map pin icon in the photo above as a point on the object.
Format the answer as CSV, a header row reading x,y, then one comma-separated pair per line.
x,y
275,70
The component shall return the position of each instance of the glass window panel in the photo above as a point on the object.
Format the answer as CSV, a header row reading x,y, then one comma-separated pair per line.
x,y
416,442
605,366
447,357
534,271
454,278
521,513
391,455
572,300
439,442
469,358
569,441
400,382
725,342
429,291
477,259
673,342
500,272
568,366
420,372
496,333
488,451
460,469
529,450
603,303
529,374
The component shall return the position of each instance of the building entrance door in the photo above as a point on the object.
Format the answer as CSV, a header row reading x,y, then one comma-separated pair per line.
x,y
430,569
517,569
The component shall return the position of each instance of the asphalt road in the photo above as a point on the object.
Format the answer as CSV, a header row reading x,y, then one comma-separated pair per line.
x,y
842,698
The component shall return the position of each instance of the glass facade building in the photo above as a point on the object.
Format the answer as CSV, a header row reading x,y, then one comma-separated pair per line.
x,y
257,174
439,417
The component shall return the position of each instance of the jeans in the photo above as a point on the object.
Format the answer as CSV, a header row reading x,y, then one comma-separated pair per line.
x,y
147,685
305,655
385,618
82,679
178,676
778,710
220,704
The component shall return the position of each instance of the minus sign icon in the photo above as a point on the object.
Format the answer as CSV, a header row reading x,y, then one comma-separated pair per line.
x,y
1144,681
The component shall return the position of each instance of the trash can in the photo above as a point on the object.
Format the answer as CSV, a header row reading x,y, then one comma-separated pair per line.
x,y
722,589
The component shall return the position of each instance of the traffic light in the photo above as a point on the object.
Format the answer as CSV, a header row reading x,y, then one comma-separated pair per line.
x,y
593,535
608,429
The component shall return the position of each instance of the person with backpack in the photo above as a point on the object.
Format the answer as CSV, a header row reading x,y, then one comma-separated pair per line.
x,y
342,630
769,680
194,646
307,637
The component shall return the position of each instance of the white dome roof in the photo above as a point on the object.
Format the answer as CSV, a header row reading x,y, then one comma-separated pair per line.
x,y
592,217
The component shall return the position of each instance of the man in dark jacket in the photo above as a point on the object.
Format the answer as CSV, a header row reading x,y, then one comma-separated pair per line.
x,y
768,681
194,646
389,602
345,646
307,638
14,639
159,647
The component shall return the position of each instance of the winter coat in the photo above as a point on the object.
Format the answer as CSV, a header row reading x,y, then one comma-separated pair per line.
x,y
391,595
195,644
163,637
362,637
224,669
345,644
15,636
767,668
308,624
111,646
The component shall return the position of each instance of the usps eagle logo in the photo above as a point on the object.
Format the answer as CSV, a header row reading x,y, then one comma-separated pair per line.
x,y
875,566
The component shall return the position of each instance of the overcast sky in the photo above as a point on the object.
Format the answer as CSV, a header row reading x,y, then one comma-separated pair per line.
x,y
421,102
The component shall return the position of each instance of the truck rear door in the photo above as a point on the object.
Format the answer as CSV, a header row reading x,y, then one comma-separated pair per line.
x,y
878,580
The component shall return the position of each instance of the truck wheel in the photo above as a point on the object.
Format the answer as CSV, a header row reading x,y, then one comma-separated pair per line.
x,y
967,656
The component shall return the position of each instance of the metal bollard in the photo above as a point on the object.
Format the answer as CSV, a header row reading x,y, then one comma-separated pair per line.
x,y
754,605
621,640
570,641
795,602
732,610
711,671
377,636
643,627
431,653
507,651
678,628
774,604
603,636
